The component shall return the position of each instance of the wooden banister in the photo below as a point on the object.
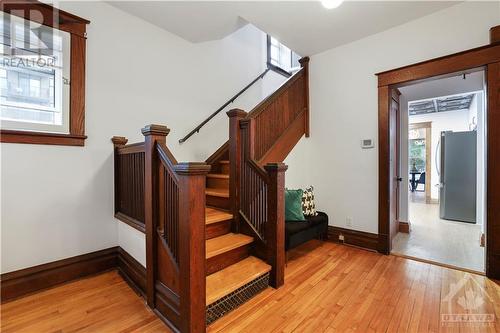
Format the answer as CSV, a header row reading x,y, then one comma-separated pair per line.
x,y
258,143
153,134
275,229
129,182
171,197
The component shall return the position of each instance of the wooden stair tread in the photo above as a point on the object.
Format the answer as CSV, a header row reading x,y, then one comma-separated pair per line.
x,y
217,192
213,215
218,175
233,277
225,243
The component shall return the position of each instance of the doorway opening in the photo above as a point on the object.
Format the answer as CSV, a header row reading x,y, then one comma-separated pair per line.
x,y
442,171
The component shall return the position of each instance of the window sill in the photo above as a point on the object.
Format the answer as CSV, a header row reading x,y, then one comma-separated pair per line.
x,y
279,70
10,136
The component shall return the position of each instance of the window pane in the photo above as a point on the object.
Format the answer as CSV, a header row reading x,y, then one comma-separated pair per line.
x,y
281,56
31,76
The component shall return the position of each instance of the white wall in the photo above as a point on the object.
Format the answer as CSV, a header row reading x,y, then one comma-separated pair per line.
x,y
344,104
57,202
456,121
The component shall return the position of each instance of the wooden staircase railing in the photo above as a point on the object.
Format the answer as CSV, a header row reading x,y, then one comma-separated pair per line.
x,y
258,144
129,182
174,221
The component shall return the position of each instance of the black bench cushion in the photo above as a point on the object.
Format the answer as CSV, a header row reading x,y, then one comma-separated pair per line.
x,y
297,233
293,227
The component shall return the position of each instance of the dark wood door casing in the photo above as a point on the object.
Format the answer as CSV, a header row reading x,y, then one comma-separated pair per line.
x,y
486,57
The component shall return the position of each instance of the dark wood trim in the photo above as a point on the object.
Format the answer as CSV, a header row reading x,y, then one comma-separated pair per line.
x,y
404,227
50,16
449,64
304,62
483,57
235,115
76,26
495,35
37,278
353,237
275,228
384,98
132,271
22,282
131,222
493,175
11,136
77,88
153,134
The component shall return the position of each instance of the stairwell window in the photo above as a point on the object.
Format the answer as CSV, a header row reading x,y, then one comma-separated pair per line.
x,y
42,75
280,58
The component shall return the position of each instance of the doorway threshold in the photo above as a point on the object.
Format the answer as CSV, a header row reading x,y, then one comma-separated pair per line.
x,y
438,263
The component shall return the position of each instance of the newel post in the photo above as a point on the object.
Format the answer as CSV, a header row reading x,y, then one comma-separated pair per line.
x,y
275,229
192,245
152,135
235,115
118,142
304,63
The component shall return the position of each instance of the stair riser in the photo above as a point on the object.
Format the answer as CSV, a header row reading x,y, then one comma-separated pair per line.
x,y
218,183
218,202
224,168
217,229
226,259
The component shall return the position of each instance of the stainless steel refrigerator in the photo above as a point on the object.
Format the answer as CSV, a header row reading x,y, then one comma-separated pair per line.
x,y
458,176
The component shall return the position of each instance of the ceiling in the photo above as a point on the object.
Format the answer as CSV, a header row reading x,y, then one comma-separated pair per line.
x,y
443,104
304,26
444,86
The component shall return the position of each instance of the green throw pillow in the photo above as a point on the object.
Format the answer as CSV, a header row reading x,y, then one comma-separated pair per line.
x,y
293,205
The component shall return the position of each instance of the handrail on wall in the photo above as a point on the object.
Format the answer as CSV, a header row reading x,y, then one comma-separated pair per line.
x,y
197,128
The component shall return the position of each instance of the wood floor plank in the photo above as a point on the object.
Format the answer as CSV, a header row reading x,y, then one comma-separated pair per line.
x,y
328,288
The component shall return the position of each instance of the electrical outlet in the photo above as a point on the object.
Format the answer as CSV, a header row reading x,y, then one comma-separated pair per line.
x,y
341,237
348,221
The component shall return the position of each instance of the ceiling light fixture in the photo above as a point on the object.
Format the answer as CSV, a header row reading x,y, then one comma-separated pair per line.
x,y
331,4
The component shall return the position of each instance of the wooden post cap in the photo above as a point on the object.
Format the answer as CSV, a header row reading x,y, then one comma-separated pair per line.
x,y
236,113
192,168
303,61
119,140
275,167
495,35
153,129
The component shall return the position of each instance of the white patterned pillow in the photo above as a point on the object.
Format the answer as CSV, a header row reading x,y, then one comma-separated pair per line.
x,y
308,205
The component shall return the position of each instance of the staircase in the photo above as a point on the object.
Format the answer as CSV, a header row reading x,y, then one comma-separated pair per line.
x,y
233,275
215,229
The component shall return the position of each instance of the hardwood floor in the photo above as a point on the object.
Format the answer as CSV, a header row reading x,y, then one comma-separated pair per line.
x,y
328,288
103,303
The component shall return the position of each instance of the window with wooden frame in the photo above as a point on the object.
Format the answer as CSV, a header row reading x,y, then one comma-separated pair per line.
x,y
280,58
42,74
